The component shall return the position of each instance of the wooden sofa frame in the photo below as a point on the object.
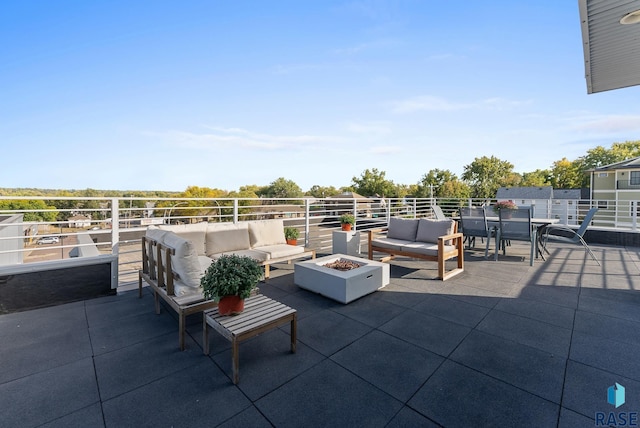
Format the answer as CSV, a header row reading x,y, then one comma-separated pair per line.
x,y
160,277
441,258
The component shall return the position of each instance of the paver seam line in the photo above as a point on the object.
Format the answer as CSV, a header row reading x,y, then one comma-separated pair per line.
x,y
93,364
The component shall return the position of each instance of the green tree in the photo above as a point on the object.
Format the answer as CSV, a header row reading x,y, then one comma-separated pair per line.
x,y
282,188
373,182
485,175
434,180
566,174
537,178
455,189
36,209
322,191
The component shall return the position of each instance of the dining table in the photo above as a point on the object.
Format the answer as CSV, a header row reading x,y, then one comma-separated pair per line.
x,y
538,222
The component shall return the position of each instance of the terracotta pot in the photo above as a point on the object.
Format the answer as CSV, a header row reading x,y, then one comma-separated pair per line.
x,y
292,241
346,227
230,305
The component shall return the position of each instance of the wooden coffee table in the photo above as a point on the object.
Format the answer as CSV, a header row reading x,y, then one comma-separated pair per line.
x,y
260,314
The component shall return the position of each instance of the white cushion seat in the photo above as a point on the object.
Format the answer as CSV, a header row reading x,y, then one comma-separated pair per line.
x,y
280,250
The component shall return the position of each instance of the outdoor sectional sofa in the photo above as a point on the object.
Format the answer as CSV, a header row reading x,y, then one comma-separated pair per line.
x,y
175,257
427,239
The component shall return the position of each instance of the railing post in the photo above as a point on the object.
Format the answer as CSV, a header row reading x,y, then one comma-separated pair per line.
x,y
115,226
355,212
235,210
307,210
634,215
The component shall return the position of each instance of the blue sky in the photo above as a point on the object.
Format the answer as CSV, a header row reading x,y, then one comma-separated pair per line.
x,y
161,95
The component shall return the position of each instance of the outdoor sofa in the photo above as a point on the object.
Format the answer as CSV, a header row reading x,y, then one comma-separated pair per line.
x,y
175,257
427,239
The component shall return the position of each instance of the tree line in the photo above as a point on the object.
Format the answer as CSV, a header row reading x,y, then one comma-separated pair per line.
x,y
480,179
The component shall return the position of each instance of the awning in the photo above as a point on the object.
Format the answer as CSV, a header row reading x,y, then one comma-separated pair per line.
x,y
611,48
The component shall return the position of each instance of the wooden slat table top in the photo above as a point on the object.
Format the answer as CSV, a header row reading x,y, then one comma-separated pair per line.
x,y
258,311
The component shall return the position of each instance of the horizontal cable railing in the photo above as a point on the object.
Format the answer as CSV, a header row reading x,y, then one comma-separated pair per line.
x,y
36,229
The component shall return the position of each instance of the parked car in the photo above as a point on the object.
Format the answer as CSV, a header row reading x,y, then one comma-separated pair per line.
x,y
48,240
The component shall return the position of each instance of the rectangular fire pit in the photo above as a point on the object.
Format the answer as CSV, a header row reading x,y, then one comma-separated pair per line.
x,y
343,286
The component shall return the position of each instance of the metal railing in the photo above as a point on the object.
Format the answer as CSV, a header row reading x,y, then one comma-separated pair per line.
x,y
34,229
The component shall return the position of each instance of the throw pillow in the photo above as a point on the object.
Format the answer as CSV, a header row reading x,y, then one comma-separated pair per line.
x,y
400,228
430,230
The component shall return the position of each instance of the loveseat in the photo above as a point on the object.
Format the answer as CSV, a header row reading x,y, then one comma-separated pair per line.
x,y
427,239
175,257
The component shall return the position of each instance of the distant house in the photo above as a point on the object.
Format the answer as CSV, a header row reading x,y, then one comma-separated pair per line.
x,y
546,201
79,221
342,203
615,190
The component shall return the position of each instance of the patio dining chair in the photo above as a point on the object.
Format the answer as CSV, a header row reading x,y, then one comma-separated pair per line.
x,y
437,212
473,221
515,225
563,233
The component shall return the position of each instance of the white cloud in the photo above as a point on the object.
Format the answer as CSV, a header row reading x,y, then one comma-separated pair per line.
x,y
381,128
381,150
242,138
428,103
367,46
432,103
608,123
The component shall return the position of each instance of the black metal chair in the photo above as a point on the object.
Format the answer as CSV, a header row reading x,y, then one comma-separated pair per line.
x,y
515,225
473,221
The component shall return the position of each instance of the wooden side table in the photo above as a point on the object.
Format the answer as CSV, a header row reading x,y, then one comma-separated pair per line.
x,y
260,314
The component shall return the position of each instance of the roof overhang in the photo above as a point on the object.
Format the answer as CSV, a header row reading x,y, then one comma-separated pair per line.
x,y
611,48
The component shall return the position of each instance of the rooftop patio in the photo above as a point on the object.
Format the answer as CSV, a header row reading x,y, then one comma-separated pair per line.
x,y
502,344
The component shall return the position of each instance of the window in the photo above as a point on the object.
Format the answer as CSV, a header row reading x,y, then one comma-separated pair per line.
x,y
603,174
603,205
634,178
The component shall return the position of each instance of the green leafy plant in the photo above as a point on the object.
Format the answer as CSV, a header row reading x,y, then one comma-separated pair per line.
x,y
291,232
504,205
347,219
231,275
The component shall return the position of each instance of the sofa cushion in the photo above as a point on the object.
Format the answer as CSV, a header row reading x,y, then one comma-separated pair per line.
x,y
266,232
192,232
400,228
429,230
185,262
390,243
258,255
280,250
426,248
226,237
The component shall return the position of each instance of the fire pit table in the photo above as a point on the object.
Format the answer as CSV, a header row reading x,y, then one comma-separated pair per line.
x,y
344,286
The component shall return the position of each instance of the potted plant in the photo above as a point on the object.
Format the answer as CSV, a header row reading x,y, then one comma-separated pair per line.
x,y
506,207
229,280
347,221
291,235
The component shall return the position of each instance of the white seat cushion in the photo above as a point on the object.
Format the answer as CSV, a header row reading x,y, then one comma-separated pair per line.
x,y
185,261
226,237
280,250
266,232
192,232
258,255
